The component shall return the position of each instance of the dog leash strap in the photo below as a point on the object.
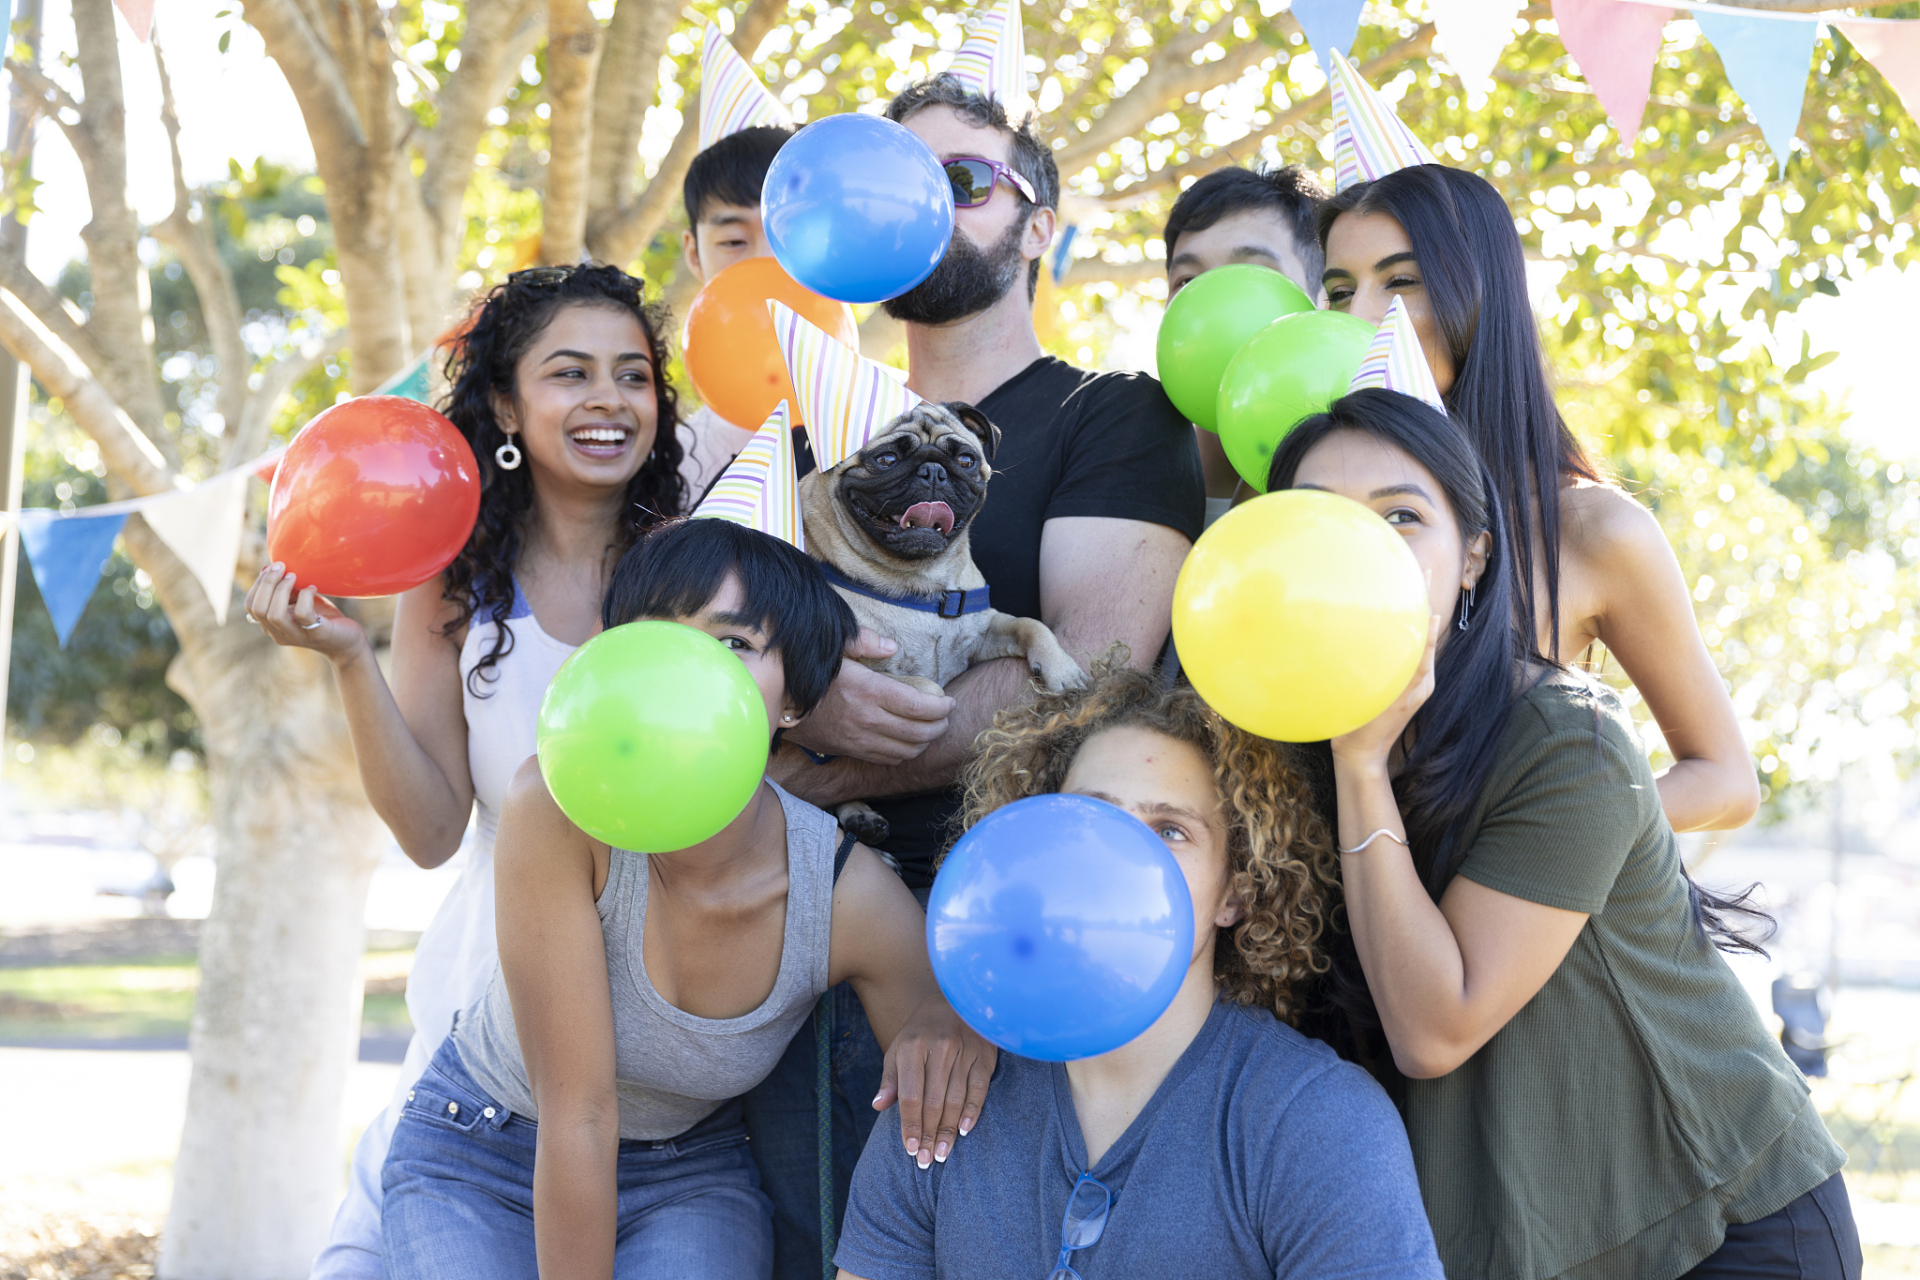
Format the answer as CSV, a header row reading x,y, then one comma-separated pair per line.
x,y
950,604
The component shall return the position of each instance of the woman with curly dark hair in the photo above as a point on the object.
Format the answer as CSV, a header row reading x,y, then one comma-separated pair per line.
x,y
1220,1142
559,384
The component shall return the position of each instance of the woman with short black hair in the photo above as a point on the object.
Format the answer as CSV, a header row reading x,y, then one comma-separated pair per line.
x,y
1591,564
1588,1091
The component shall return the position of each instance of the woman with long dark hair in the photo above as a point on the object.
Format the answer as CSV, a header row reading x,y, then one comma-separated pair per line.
x,y
1588,1090
1591,563
559,383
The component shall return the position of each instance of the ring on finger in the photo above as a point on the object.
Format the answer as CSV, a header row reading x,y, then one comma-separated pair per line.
x,y
309,626
255,621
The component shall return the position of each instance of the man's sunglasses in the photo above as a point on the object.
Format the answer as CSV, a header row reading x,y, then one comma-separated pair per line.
x,y
973,179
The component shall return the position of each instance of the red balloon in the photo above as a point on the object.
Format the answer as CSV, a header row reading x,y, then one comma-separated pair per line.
x,y
374,496
732,353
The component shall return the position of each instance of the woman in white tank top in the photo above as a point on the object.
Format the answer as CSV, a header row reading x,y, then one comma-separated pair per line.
x,y
560,386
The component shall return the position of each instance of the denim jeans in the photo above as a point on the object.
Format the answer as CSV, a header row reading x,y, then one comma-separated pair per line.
x,y
458,1192
1813,1238
780,1116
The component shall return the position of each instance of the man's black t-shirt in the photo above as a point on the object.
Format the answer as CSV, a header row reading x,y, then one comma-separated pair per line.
x,y
1073,443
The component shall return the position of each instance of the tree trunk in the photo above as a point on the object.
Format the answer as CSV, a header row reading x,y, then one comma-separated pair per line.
x,y
276,1023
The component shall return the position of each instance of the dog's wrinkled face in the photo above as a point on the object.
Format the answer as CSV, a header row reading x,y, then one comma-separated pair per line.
x,y
920,483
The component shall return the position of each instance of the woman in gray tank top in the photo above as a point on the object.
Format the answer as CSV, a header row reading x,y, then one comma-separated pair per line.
x,y
578,1120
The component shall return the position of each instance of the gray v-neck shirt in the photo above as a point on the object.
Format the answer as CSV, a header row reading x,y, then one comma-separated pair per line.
x,y
1260,1155
672,1069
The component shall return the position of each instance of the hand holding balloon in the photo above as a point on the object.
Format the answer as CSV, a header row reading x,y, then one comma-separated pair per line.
x,y
652,737
1060,927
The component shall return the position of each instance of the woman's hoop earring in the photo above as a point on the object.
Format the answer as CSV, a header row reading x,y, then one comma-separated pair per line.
x,y
1466,608
508,455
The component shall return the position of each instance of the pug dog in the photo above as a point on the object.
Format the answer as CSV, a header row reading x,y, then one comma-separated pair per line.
x,y
891,526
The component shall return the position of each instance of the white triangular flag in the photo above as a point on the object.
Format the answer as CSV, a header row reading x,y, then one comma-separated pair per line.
x,y
203,526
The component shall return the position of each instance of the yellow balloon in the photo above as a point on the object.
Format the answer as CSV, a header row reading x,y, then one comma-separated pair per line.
x,y
1300,615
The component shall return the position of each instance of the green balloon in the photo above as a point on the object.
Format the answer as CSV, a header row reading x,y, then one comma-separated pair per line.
x,y
653,737
1289,371
1211,319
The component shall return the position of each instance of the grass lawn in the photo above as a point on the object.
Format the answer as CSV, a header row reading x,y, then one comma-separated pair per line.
x,y
152,999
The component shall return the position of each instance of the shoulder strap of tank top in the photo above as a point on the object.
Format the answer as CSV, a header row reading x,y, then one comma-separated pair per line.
x,y
840,857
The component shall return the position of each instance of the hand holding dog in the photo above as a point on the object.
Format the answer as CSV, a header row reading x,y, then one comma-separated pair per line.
x,y
869,716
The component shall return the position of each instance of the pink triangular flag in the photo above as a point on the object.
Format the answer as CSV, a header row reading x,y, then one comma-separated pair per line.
x,y
993,60
1894,50
1396,361
843,396
1369,141
139,16
731,96
1614,44
758,489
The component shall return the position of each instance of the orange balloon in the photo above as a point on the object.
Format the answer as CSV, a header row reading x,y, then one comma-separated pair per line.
x,y
374,496
732,354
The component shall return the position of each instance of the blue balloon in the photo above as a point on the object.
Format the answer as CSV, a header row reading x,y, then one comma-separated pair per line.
x,y
857,208
1060,927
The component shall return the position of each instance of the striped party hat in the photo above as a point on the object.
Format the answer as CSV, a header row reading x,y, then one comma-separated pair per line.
x,y
731,96
993,60
758,488
1368,139
1395,360
842,397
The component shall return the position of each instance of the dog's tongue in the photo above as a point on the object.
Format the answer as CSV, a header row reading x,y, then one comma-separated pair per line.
x,y
928,515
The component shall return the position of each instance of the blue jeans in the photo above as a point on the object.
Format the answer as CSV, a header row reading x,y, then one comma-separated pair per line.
x,y
780,1116
458,1192
1813,1238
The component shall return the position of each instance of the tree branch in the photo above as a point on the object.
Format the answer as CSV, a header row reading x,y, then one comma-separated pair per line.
x,y
312,71
129,454
573,55
1099,271
49,308
34,89
248,437
498,34
192,241
630,62
1172,77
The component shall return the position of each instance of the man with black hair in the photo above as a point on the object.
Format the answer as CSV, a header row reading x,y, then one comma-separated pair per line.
x,y
722,195
1096,497
1264,217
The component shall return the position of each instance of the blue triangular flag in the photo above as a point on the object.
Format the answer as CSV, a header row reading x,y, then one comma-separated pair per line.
x,y
68,554
1767,60
1329,24
415,382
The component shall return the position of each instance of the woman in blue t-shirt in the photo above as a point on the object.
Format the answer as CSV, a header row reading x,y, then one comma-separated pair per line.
x,y
1220,1142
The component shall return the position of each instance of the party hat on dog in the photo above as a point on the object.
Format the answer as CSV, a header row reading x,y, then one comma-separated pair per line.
x,y
758,489
1368,139
841,396
1395,360
992,62
731,96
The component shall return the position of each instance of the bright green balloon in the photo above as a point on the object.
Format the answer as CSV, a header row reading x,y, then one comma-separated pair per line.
x,y
1211,319
653,737
1290,370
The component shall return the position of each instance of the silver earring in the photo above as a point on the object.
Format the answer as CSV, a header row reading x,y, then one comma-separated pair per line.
x,y
1466,608
508,455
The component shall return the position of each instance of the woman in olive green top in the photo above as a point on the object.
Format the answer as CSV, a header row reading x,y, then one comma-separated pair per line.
x,y
1590,1092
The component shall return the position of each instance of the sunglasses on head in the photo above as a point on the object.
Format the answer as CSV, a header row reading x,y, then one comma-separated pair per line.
x,y
973,179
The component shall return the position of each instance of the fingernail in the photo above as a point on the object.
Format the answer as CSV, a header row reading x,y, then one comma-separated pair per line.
x,y
876,1099
940,1153
925,1161
966,1127
913,1146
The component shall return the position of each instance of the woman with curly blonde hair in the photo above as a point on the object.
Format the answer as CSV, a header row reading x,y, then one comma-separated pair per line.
x,y
1219,1142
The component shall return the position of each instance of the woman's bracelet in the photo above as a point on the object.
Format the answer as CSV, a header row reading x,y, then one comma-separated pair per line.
x,y
1399,840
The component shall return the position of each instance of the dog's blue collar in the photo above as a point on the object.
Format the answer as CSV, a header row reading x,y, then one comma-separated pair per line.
x,y
950,604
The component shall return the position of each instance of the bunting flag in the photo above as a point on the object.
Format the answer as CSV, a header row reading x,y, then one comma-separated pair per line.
x,y
1396,361
1470,34
1330,25
202,526
68,554
993,61
1893,49
843,397
139,16
1614,46
1766,60
414,381
731,96
1369,141
759,488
